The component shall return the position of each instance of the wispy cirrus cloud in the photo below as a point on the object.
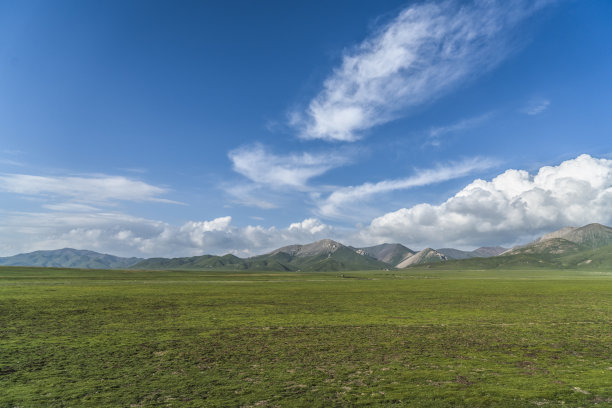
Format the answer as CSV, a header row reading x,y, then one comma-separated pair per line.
x,y
74,207
90,189
275,178
338,203
292,170
435,133
535,106
424,52
250,195
10,162
11,158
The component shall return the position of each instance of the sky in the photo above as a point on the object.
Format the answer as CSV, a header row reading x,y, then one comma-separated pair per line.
x,y
162,128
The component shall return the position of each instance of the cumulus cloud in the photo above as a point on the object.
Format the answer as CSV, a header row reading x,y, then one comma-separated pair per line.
x,y
310,226
511,208
93,189
121,234
291,170
29,231
338,202
425,51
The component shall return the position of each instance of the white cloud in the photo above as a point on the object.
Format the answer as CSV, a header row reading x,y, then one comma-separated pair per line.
x,y
340,201
11,162
273,179
93,189
70,207
425,51
249,195
511,208
436,132
291,170
535,106
311,226
29,231
121,234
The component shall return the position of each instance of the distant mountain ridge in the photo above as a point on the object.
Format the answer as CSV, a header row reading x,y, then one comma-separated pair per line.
x,y
323,255
482,252
69,258
324,246
586,246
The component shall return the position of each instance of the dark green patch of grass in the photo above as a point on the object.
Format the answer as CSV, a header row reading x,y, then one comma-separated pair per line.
x,y
398,338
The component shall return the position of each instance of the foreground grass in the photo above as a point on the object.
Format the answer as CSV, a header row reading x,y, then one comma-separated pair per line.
x,y
414,338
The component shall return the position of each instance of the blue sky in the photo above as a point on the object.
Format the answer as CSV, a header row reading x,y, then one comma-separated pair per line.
x,y
155,128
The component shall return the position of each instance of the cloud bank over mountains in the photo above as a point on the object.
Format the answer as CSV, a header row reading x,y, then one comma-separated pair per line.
x,y
124,235
513,204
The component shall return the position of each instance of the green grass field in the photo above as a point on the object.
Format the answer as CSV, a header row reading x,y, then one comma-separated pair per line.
x,y
431,338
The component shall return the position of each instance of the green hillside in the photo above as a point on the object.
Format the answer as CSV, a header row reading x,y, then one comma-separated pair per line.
x,y
343,259
588,236
563,255
69,258
597,258
587,247
552,246
194,262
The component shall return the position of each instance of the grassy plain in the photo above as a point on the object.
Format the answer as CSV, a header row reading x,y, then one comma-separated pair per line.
x,y
425,338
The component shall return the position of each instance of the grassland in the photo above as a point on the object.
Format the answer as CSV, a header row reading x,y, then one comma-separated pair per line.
x,y
430,338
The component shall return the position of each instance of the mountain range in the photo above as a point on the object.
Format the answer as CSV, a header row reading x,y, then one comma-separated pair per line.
x,y
69,258
323,255
587,246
